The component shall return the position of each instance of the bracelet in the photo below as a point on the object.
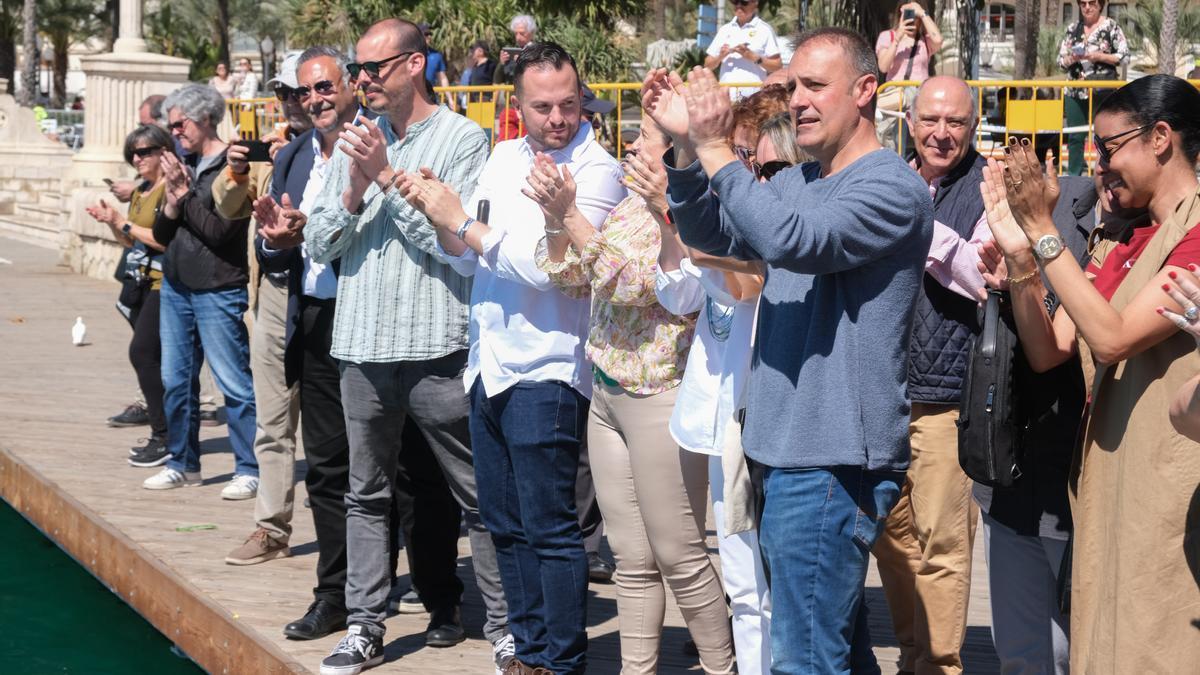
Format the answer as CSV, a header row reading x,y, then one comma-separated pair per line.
x,y
462,229
551,232
1013,281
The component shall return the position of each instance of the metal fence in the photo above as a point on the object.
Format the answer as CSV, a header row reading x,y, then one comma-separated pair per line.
x,y
1031,108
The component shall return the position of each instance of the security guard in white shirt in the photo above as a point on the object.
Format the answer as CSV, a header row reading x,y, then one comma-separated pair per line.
x,y
745,49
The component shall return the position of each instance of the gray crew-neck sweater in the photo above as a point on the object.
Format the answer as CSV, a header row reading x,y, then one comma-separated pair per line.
x,y
845,255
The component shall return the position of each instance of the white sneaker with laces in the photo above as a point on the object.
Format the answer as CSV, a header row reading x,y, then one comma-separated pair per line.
x,y
504,651
356,652
168,479
241,487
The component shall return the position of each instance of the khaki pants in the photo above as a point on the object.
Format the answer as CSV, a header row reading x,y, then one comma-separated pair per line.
x,y
654,499
924,553
278,411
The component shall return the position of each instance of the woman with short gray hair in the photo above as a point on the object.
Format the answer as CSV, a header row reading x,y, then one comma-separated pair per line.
x,y
203,297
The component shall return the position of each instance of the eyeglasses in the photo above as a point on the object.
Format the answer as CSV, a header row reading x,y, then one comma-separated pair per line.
x,y
767,170
743,153
1101,144
372,68
178,124
741,3
1089,3
144,152
324,88
284,92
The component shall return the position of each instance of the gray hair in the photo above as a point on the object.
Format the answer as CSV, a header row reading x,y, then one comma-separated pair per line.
x,y
525,19
321,50
198,102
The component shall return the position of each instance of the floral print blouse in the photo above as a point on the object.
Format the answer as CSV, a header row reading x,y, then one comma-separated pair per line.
x,y
632,339
1107,38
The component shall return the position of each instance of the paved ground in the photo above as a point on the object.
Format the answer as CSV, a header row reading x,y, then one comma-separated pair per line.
x,y
54,398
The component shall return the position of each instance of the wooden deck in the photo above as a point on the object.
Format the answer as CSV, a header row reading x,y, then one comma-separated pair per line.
x,y
67,471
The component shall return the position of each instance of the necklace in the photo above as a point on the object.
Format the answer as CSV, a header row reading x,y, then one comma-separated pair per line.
x,y
719,324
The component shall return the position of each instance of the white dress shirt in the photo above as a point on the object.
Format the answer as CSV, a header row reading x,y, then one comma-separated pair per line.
x,y
523,329
714,381
760,37
319,280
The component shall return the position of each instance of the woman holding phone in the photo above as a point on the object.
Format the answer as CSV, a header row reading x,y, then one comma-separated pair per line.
x,y
1091,49
905,53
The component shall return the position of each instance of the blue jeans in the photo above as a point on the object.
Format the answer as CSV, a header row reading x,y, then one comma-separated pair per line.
x,y
526,442
816,534
198,325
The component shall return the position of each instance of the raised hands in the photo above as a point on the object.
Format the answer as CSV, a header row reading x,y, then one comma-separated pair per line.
x,y
281,225
105,213
709,112
178,182
552,190
436,200
1031,188
663,102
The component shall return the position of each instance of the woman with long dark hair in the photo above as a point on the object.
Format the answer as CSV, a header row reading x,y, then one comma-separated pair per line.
x,y
1136,480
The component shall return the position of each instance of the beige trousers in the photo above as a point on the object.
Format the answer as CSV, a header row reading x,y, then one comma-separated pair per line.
x,y
653,495
277,412
924,552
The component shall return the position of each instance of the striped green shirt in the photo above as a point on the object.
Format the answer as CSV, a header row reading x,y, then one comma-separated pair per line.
x,y
397,299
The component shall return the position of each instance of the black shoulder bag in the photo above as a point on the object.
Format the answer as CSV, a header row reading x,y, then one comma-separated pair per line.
x,y
990,423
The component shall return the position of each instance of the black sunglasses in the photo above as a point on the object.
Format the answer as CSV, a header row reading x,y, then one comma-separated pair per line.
x,y
284,92
1101,144
177,125
144,152
767,170
743,153
740,2
372,68
324,88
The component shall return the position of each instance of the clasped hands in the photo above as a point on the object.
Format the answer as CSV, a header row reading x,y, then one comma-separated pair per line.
x,y
1019,195
366,145
281,225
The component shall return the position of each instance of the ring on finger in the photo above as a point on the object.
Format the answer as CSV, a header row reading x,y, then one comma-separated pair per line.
x,y
1192,314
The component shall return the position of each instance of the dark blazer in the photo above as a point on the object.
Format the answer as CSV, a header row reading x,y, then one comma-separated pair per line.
x,y
293,165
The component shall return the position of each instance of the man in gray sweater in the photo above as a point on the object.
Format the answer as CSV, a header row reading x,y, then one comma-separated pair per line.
x,y
844,240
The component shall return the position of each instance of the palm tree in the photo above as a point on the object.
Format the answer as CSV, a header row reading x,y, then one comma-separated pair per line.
x,y
1153,24
28,94
1170,30
10,13
1025,38
64,23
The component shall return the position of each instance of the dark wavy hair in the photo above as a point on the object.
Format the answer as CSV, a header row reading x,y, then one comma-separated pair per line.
x,y
1161,98
153,135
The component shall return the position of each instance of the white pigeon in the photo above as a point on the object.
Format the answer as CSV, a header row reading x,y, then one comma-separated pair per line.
x,y
78,331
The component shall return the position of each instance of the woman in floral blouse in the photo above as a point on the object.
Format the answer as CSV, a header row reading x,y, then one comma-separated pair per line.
x,y
1092,49
652,493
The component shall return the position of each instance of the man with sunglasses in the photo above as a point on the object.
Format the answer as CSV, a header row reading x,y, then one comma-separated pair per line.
x,y
399,328
924,552
745,49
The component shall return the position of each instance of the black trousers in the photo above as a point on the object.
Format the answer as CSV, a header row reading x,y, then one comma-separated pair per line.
x,y
145,354
326,449
430,519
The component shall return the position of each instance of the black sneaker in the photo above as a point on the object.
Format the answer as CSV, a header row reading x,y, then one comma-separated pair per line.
x,y
153,453
134,416
599,569
445,628
208,418
356,652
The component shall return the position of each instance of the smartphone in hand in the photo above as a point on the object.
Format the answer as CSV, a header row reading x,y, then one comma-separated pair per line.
x,y
910,14
256,151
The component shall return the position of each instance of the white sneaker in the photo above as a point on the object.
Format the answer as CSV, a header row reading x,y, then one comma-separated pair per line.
x,y
168,479
503,653
241,487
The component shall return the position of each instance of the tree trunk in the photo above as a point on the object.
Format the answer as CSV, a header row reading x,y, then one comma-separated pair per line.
x,y
222,32
112,16
29,84
660,19
968,38
1025,39
58,94
1170,34
8,54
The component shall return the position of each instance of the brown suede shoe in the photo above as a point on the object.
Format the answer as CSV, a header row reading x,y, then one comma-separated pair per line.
x,y
515,667
258,548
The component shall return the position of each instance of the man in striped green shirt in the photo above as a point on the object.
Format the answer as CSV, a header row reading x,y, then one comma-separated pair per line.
x,y
400,329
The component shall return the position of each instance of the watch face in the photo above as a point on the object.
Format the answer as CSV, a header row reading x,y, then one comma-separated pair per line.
x,y
1049,246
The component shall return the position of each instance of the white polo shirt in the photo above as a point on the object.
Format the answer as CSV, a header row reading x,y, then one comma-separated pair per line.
x,y
760,37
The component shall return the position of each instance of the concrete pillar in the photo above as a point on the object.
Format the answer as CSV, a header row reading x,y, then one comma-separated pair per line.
x,y
131,28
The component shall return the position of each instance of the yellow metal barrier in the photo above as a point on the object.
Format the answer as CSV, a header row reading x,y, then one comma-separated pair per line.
x,y
251,118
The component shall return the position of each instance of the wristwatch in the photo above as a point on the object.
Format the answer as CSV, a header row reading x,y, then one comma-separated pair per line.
x,y
1048,247
127,227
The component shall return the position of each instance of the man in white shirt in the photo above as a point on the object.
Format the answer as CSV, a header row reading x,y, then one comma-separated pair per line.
x,y
745,49
527,374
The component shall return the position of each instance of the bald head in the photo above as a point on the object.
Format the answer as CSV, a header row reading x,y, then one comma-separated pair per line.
x,y
949,90
942,122
403,36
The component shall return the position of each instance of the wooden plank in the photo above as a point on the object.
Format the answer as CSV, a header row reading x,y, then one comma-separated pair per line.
x,y
201,628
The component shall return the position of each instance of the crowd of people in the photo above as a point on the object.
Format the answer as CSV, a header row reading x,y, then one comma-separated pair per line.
x,y
760,310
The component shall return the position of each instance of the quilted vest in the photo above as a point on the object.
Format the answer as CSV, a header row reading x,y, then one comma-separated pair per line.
x,y
944,320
